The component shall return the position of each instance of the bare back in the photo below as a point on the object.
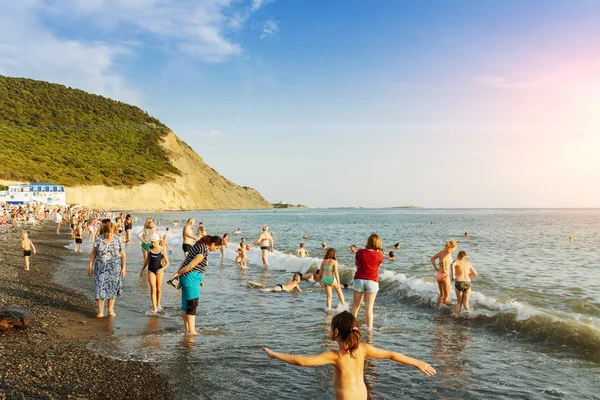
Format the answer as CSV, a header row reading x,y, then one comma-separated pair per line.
x,y
463,270
348,377
188,235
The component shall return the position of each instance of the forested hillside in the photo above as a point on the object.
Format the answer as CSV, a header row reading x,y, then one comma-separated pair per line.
x,y
54,133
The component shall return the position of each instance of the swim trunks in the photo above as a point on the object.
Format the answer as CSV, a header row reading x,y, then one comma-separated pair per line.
x,y
186,247
26,253
462,286
268,248
78,240
128,227
281,286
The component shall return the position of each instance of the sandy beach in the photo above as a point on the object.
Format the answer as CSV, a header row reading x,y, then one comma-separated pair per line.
x,y
51,359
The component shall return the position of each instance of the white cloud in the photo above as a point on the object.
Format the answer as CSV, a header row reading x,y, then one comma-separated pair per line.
x,y
257,4
269,28
27,49
503,83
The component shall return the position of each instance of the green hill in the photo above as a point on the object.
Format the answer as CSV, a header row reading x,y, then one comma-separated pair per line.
x,y
54,133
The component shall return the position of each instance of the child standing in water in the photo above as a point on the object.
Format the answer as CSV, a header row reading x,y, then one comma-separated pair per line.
x,y
462,273
78,236
349,361
27,247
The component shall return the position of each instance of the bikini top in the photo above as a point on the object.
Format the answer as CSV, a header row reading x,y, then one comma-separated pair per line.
x,y
327,268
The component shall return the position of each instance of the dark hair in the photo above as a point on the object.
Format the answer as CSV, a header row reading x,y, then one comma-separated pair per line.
x,y
206,240
347,330
462,254
106,220
391,254
225,235
330,254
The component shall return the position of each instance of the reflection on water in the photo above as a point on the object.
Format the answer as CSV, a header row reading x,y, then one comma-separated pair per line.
x,y
450,339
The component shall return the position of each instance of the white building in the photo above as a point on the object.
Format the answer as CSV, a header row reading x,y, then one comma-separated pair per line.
x,y
26,193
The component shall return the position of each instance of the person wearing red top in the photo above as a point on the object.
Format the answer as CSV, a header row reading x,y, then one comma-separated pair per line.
x,y
366,282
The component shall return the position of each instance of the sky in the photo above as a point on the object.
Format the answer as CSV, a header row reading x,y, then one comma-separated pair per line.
x,y
346,103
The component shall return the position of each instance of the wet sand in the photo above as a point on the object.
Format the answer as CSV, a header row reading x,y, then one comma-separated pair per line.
x,y
51,358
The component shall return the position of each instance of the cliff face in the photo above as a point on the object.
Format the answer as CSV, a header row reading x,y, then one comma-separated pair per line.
x,y
199,187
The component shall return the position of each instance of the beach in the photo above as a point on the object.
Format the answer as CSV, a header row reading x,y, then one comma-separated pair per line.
x,y
52,357
533,332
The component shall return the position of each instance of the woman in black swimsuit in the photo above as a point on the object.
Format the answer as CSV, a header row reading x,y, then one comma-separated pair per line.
x,y
157,261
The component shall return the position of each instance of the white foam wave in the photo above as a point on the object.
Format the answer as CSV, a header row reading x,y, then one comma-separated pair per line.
x,y
480,303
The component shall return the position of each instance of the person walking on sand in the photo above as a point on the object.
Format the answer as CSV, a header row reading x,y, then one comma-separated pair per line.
x,y
462,273
330,277
58,220
27,247
265,241
188,236
349,359
444,274
191,275
78,236
108,265
157,262
366,278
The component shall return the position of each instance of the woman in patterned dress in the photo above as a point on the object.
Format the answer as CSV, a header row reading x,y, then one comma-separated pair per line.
x,y
107,266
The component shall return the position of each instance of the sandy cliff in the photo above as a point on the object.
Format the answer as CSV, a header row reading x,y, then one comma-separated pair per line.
x,y
199,187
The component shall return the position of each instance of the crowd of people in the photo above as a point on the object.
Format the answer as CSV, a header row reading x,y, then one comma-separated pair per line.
x,y
109,234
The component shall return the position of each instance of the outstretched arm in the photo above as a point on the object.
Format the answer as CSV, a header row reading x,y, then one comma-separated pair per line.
x,y
328,357
422,366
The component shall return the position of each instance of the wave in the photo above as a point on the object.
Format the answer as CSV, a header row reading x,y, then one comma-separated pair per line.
x,y
568,332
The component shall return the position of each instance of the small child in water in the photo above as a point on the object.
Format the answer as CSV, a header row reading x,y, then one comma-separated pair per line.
x,y
301,252
391,256
462,272
27,247
349,360
290,285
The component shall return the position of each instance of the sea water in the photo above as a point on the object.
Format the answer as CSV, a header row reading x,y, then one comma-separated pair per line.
x,y
533,333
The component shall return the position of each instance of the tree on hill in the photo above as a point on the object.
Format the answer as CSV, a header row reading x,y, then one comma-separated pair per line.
x,y
54,133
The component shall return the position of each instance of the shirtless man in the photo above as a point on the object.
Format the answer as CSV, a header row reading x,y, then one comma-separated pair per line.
x,y
265,241
301,252
311,276
188,237
462,273
290,285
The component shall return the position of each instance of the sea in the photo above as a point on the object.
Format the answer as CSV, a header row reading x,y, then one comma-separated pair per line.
x,y
533,332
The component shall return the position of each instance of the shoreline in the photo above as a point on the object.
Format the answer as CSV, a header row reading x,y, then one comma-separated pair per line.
x,y
51,358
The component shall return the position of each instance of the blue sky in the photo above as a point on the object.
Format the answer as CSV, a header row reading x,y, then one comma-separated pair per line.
x,y
343,103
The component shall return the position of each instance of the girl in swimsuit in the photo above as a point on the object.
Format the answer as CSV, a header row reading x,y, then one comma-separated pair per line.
x,y
330,276
157,261
128,226
443,271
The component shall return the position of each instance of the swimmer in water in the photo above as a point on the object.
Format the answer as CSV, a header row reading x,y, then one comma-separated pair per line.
x,y
349,359
290,285
462,273
304,237
571,239
353,248
324,248
466,234
225,239
238,230
391,256
310,276
301,252
397,246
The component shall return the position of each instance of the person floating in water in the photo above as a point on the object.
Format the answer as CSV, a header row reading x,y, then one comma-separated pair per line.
x,y
301,252
353,248
349,359
290,285
391,256
397,246
462,273
571,239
